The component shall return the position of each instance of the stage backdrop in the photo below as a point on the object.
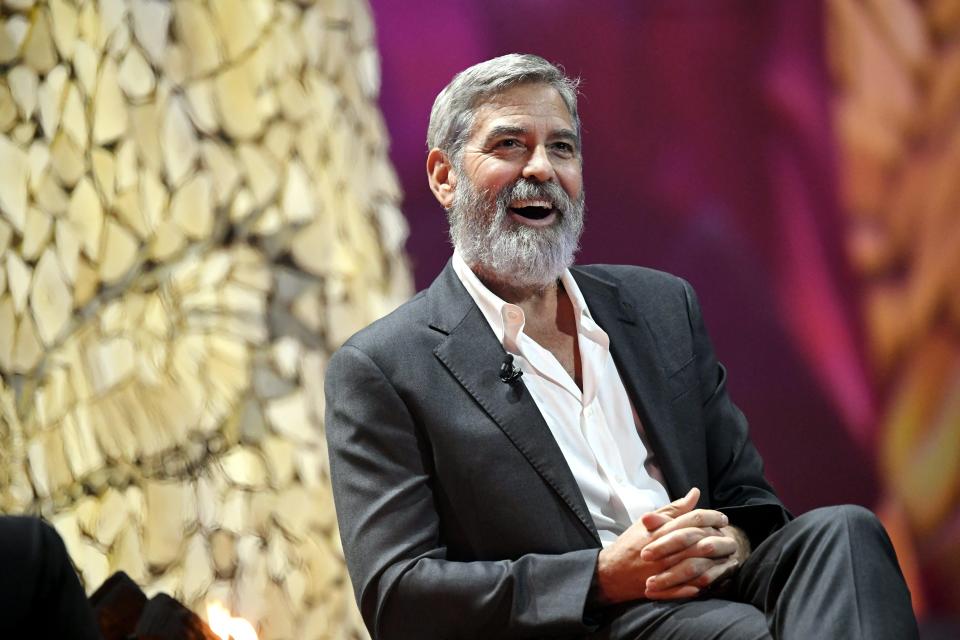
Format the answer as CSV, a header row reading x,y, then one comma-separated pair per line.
x,y
796,162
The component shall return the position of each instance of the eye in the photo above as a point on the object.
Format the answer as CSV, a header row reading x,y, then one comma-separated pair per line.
x,y
509,143
564,149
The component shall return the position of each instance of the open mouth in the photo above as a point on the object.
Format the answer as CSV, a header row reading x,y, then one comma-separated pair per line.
x,y
533,210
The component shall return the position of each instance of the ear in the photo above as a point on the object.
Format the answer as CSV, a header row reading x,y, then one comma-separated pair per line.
x,y
442,177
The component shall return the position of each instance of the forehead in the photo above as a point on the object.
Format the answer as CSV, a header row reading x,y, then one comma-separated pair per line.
x,y
529,104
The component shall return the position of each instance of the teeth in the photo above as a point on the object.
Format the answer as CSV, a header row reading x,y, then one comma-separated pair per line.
x,y
519,204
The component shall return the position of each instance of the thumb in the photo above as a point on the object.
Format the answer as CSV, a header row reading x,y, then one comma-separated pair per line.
x,y
653,520
682,505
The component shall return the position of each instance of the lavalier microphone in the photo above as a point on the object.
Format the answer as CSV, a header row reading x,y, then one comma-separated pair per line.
x,y
509,372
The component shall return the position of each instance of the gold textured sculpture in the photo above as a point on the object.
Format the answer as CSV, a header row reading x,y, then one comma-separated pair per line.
x,y
196,208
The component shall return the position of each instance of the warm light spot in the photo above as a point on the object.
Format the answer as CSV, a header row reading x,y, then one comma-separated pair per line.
x,y
226,626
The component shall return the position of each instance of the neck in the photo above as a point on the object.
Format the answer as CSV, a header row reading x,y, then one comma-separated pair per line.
x,y
550,319
514,293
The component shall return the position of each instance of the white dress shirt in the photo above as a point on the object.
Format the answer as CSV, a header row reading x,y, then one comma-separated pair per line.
x,y
597,429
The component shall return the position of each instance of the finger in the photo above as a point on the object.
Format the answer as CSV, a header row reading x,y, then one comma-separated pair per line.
x,y
686,571
696,518
716,571
715,547
653,520
675,593
681,505
673,543
703,543
675,546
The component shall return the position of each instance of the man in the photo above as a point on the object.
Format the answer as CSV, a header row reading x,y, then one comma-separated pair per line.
x,y
504,447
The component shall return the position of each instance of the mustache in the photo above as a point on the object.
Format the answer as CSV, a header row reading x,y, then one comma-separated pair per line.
x,y
526,189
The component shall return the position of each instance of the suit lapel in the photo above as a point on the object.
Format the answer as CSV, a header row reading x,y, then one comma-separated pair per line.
x,y
635,353
472,354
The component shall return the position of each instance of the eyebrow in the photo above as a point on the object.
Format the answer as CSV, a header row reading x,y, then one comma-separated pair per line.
x,y
507,130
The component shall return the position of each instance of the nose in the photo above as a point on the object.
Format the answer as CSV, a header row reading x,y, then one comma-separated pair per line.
x,y
538,165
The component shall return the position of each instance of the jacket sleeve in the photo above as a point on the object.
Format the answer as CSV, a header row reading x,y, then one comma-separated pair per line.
x,y
384,496
738,487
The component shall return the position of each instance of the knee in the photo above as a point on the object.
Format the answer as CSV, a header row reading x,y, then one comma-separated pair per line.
x,y
849,518
847,512
856,517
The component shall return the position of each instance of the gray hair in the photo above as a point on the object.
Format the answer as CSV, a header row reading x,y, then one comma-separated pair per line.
x,y
451,118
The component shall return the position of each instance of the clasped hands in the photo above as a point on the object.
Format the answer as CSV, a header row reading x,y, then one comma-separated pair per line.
x,y
674,552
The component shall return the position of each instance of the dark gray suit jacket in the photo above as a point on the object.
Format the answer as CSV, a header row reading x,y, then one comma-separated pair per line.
x,y
458,513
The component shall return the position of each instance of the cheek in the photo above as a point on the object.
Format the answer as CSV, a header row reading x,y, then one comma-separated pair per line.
x,y
572,183
495,181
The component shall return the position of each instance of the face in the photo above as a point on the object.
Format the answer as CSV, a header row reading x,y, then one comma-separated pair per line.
x,y
525,132
516,196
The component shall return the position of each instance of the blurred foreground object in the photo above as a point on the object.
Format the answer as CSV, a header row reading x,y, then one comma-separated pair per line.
x,y
123,612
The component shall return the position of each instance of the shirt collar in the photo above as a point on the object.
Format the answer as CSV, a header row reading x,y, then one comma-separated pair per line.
x,y
585,323
507,320
492,306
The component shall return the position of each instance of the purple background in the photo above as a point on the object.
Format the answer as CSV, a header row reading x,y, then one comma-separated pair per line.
x,y
708,153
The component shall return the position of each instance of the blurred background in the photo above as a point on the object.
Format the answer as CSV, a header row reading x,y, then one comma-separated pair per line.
x,y
797,162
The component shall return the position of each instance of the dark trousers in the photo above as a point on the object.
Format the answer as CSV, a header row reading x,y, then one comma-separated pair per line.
x,y
40,594
831,573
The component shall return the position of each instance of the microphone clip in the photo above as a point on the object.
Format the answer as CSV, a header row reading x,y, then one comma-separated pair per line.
x,y
509,373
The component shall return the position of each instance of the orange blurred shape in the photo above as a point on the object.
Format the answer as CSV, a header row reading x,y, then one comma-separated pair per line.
x,y
226,626
897,524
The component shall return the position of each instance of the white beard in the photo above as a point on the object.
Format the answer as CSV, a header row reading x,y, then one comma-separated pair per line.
x,y
510,252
